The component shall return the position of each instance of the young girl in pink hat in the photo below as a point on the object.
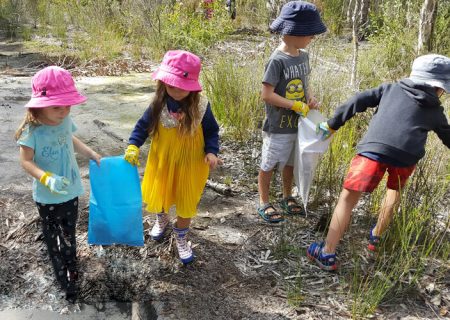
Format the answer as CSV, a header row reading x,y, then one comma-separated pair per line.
x,y
47,145
185,143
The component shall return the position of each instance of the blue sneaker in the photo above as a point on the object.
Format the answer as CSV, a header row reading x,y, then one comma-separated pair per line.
x,y
325,261
184,249
374,241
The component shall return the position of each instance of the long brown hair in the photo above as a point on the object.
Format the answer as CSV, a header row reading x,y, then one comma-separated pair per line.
x,y
31,119
190,106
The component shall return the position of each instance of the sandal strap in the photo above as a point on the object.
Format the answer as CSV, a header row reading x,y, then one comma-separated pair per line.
x,y
266,206
290,198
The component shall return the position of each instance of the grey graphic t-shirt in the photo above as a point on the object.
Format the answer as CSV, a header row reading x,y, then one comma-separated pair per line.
x,y
289,76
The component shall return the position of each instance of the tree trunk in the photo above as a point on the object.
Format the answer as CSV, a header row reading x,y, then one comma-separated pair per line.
x,y
364,13
355,31
426,25
349,11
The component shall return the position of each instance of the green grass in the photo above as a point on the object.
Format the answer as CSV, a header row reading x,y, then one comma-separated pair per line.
x,y
233,89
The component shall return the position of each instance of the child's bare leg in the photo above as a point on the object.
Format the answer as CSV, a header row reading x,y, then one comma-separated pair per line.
x,y
183,223
341,218
388,207
264,178
288,177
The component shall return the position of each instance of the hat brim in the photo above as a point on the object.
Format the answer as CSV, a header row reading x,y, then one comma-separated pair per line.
x,y
176,81
439,84
62,100
284,27
445,85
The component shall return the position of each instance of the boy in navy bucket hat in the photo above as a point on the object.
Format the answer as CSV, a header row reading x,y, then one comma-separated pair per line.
x,y
298,18
394,142
286,96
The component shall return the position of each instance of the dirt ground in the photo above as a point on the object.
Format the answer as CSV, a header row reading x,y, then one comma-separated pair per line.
x,y
238,273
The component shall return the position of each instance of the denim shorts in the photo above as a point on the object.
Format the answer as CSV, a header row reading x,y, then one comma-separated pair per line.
x,y
278,150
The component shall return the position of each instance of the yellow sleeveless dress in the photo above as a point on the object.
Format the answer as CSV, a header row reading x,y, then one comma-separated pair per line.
x,y
176,172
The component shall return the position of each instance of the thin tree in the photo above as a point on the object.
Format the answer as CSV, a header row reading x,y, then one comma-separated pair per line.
x,y
426,25
355,31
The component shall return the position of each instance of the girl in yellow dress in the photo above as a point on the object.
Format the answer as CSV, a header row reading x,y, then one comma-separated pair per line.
x,y
184,146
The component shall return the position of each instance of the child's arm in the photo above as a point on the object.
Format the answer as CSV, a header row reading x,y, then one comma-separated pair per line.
x,y
269,96
358,103
27,163
80,147
443,131
137,138
210,129
312,102
55,183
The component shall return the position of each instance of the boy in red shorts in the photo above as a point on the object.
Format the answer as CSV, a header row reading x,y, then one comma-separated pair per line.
x,y
394,142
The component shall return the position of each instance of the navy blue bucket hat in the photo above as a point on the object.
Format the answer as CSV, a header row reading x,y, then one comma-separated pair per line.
x,y
298,18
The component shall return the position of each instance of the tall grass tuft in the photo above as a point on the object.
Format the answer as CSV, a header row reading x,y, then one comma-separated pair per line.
x,y
233,89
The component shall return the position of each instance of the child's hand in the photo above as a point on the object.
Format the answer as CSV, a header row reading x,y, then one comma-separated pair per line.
x,y
132,155
301,108
324,130
96,157
313,103
212,160
56,184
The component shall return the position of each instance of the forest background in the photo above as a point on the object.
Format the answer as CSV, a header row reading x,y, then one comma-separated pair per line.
x,y
368,42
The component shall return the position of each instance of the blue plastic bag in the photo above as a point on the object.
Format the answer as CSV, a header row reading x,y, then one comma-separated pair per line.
x,y
115,208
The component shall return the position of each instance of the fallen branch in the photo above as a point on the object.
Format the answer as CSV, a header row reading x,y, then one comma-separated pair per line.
x,y
219,188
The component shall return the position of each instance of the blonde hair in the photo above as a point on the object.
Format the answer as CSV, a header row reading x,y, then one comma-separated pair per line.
x,y
30,119
190,106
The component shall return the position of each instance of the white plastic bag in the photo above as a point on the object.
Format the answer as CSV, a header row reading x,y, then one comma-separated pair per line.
x,y
308,149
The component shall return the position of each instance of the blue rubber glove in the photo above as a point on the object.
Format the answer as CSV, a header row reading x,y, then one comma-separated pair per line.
x,y
324,129
56,184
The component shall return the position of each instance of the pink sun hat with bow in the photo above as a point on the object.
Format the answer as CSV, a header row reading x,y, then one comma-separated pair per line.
x,y
54,87
180,69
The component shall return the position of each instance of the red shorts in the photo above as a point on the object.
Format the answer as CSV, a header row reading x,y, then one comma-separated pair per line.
x,y
365,174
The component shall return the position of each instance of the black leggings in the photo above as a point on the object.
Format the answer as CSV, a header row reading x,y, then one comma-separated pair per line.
x,y
58,226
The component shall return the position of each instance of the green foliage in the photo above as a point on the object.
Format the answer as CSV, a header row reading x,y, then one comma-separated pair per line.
x,y
441,38
233,89
191,30
251,15
10,14
388,58
334,15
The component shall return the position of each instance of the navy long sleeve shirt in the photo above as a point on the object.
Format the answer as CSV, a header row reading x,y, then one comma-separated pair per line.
x,y
209,125
399,129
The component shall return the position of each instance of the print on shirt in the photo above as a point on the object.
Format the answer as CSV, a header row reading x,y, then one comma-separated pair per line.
x,y
294,91
289,77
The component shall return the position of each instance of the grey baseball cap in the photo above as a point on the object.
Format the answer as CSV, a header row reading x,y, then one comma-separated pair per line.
x,y
433,70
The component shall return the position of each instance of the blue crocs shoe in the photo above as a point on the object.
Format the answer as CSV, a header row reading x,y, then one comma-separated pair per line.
x,y
325,261
374,241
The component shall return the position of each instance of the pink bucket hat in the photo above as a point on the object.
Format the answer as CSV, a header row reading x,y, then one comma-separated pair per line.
x,y
180,69
53,87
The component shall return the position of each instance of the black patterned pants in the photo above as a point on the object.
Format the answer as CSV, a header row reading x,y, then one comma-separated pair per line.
x,y
58,226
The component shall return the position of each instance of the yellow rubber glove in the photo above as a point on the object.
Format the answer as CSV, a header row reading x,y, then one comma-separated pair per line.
x,y
132,155
56,184
301,108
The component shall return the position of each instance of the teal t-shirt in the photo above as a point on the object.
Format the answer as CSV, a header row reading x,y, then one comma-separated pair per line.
x,y
53,151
